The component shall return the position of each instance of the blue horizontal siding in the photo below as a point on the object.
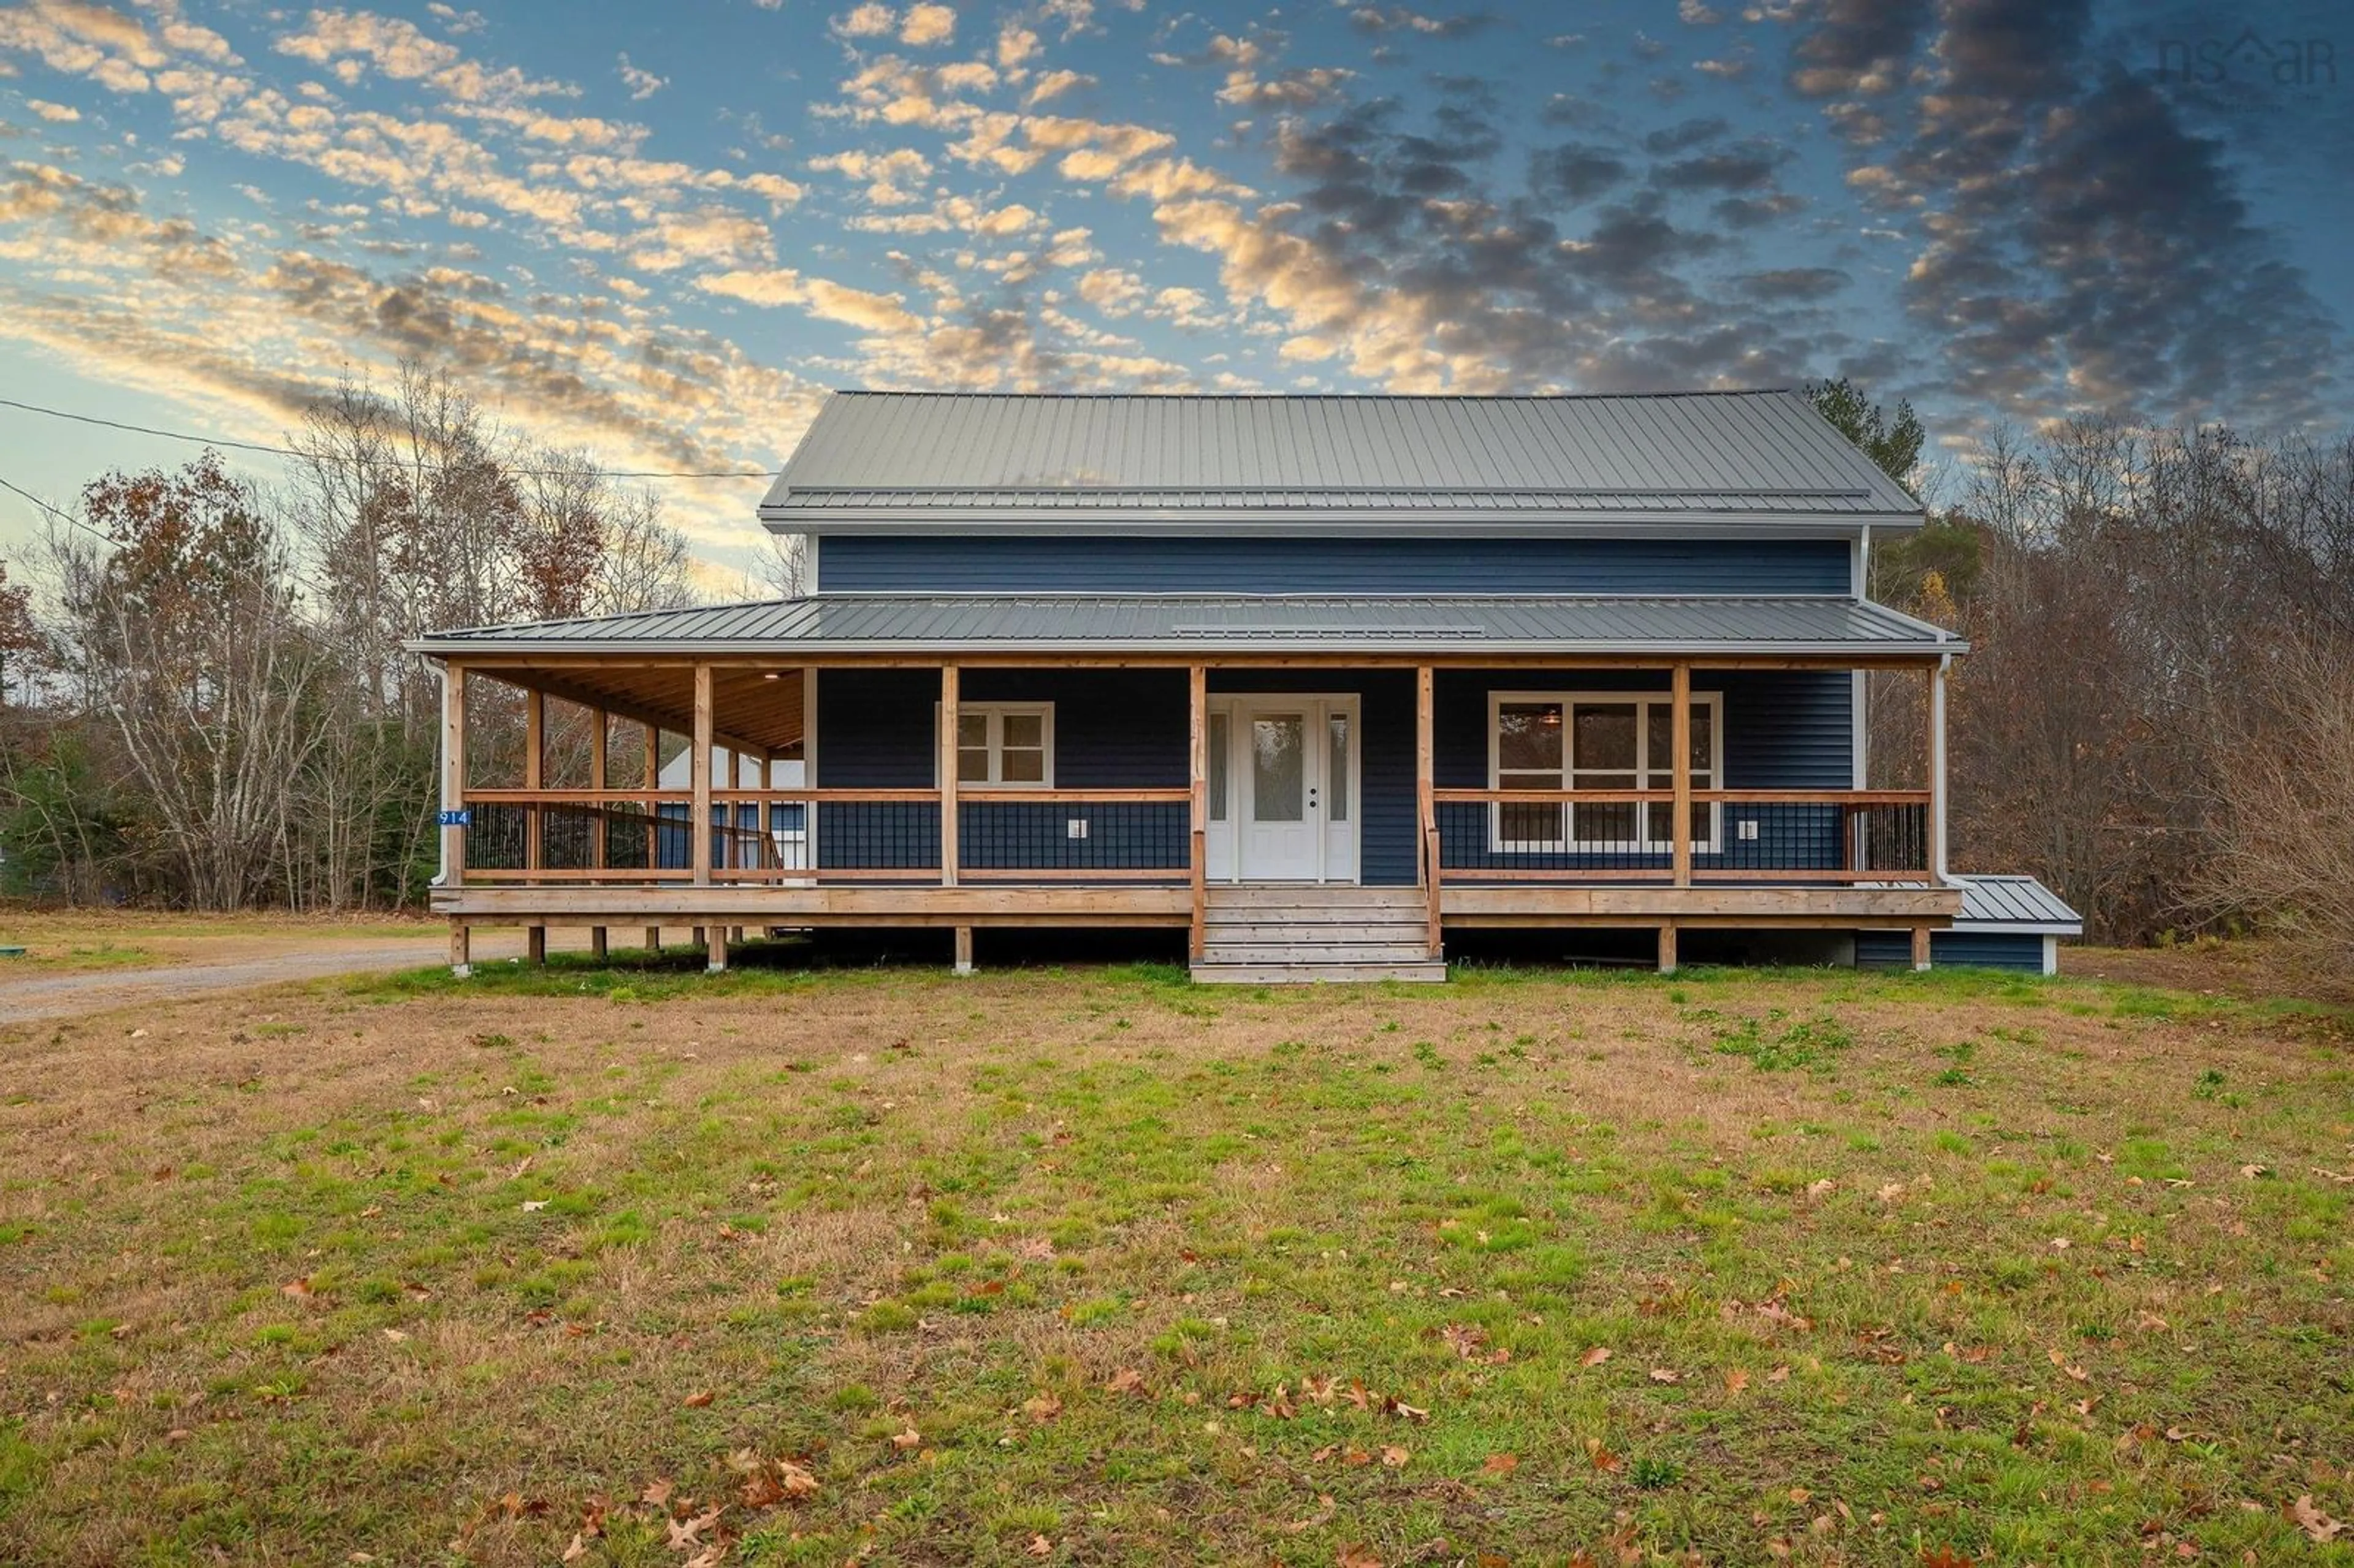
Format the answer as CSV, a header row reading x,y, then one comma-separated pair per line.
x,y
1126,729
985,563
1980,949
1114,729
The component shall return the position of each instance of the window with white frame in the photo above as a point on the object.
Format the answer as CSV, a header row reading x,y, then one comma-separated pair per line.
x,y
1010,745
1600,741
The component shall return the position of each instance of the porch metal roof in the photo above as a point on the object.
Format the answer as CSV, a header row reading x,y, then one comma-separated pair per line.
x,y
845,623
2015,903
902,462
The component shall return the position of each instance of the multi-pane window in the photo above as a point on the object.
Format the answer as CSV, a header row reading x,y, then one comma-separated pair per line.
x,y
1004,744
1600,743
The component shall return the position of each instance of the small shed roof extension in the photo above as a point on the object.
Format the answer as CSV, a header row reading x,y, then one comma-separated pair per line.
x,y
1696,625
1737,462
2015,903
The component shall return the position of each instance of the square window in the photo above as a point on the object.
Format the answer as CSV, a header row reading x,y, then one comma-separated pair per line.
x,y
1000,744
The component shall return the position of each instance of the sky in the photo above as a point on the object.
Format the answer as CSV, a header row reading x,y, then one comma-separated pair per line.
x,y
661,232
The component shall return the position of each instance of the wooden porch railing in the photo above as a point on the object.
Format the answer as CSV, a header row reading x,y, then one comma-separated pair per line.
x,y
1007,834
1841,836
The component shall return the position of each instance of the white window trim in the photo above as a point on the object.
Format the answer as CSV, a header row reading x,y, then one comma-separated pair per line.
x,y
1713,701
996,713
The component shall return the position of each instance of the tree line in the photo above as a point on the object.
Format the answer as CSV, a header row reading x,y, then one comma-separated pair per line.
x,y
208,704
2157,717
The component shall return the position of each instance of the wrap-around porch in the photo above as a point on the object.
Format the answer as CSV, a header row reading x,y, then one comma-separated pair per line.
x,y
749,792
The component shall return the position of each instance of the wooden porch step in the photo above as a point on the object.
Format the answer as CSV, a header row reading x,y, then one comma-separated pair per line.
x,y
1417,971
1304,951
1415,931
1295,934
1310,895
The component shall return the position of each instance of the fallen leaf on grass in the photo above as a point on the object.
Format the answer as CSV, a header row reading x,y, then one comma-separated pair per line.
x,y
1945,1557
1736,1381
298,1289
1357,1554
1041,1407
1665,1374
1595,1357
2308,1517
685,1534
910,1438
658,1490
1127,1380
1603,1458
1040,1547
1396,1406
1501,1464
1395,1458
697,1401
533,1205
577,1550
1355,1456
1325,1509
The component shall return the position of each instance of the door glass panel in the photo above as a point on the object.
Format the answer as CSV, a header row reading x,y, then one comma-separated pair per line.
x,y
1279,769
1336,778
1218,767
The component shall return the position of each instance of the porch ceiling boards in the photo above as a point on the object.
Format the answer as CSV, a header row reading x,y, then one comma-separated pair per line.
x,y
1233,628
1735,461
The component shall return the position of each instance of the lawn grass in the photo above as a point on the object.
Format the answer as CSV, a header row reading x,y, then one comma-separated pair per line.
x,y
881,1266
65,941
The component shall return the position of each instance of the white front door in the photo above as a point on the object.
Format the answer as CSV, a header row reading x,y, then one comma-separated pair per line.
x,y
1292,784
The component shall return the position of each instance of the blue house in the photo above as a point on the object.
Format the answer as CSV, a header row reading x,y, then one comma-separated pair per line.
x,y
1317,681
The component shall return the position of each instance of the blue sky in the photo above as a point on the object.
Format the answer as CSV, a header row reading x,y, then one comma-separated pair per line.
x,y
662,232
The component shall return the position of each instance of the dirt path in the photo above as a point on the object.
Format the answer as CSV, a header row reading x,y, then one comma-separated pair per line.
x,y
231,964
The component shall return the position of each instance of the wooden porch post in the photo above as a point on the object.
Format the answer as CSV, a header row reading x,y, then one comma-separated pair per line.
x,y
1197,773
453,800
454,773
699,829
1426,808
535,777
1679,780
1667,946
599,736
1937,845
650,775
947,771
1920,946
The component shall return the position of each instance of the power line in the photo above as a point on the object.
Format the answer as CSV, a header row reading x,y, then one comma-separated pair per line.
x,y
65,517
331,457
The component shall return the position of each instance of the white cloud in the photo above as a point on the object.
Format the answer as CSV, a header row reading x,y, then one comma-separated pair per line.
x,y
819,297
1016,46
928,24
1055,83
866,21
887,173
642,84
57,114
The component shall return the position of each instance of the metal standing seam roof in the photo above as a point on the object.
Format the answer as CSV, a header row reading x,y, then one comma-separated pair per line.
x,y
2014,903
1554,623
896,460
